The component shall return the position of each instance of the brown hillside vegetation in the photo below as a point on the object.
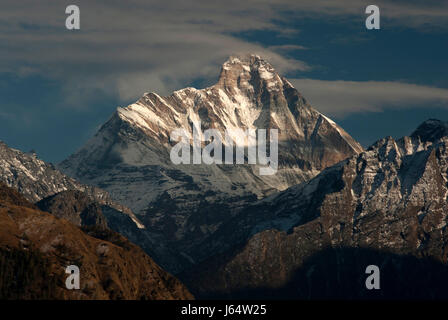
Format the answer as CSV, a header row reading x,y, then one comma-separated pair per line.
x,y
36,248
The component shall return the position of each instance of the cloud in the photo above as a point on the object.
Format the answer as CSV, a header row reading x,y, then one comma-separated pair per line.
x,y
6,115
287,47
127,48
405,13
341,98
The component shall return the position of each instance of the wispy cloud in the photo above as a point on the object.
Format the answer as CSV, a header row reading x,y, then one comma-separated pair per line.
x,y
127,48
287,48
341,98
7,115
130,48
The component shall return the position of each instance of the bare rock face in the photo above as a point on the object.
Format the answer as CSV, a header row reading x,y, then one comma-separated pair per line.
x,y
36,248
34,178
186,204
76,207
386,206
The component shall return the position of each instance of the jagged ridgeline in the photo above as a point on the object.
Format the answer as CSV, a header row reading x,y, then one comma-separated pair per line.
x,y
386,206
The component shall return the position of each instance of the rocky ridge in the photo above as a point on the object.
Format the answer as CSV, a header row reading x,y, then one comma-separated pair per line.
x,y
386,206
36,180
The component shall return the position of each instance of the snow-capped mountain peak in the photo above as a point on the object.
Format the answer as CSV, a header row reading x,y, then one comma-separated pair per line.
x,y
238,71
130,155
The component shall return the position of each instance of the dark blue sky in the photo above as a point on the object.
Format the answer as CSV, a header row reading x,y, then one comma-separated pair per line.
x,y
58,86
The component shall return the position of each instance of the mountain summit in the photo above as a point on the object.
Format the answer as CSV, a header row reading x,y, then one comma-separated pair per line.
x,y
130,155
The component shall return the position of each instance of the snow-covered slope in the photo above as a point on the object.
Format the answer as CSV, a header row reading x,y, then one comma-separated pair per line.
x,y
129,155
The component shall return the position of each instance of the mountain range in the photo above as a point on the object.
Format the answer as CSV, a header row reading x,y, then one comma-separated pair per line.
x,y
386,206
308,231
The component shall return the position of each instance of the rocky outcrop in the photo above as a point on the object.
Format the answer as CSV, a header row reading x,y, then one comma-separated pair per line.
x,y
76,207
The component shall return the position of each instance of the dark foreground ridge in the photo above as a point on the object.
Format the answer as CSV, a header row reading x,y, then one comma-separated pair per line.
x,y
339,274
36,248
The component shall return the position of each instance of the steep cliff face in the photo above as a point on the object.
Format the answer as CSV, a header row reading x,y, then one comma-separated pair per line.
x,y
36,248
74,206
388,203
185,204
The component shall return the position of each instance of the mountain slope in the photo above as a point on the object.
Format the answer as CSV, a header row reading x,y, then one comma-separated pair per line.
x,y
130,155
74,206
36,180
390,200
36,247
67,198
